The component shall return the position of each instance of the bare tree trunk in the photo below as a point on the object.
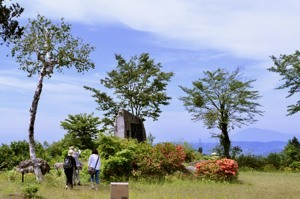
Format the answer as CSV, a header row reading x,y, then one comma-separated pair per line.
x,y
224,140
33,111
226,144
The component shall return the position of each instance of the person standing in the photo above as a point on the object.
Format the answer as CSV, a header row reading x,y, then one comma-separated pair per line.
x,y
95,162
76,176
69,167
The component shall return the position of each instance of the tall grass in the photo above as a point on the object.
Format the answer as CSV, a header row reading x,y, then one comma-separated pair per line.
x,y
256,185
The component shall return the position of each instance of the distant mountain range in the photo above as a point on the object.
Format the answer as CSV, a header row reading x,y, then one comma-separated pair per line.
x,y
261,135
249,148
253,141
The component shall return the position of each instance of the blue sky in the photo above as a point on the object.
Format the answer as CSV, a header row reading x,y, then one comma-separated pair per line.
x,y
186,37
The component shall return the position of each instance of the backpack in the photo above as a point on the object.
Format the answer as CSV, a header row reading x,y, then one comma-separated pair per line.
x,y
68,163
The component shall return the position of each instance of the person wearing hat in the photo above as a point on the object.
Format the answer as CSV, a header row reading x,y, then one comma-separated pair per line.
x,y
69,167
76,176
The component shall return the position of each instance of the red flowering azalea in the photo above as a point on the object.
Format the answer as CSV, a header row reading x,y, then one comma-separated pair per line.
x,y
223,169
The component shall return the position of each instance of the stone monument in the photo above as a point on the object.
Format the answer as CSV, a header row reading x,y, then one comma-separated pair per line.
x,y
128,125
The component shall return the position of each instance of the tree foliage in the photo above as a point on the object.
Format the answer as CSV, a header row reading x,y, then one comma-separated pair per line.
x,y
138,86
223,100
288,67
46,47
17,151
292,151
82,130
9,26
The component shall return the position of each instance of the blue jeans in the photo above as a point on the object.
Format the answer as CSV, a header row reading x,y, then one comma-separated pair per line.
x,y
95,176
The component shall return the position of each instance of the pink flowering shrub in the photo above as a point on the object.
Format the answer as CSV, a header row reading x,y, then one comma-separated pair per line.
x,y
158,161
147,162
174,156
221,169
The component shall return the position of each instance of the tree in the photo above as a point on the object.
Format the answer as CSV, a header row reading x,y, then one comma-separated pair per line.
x,y
44,48
292,151
17,151
139,87
82,130
223,100
288,67
9,27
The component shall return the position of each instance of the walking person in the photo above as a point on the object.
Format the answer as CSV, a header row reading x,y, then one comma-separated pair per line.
x,y
95,163
69,167
76,176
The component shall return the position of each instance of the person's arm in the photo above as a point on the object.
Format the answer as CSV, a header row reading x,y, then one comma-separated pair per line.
x,y
89,162
74,163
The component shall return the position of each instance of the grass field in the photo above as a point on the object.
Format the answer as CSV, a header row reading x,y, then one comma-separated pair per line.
x,y
252,185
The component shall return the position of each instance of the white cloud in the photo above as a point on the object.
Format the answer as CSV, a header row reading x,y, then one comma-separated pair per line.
x,y
62,95
251,29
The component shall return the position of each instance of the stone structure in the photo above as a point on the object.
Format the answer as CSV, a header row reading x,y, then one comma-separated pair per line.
x,y
26,166
129,126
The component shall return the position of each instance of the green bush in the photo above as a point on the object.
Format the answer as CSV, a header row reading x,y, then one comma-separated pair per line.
x,y
274,159
54,150
118,156
190,153
119,166
295,166
6,162
109,145
17,151
30,191
291,151
126,158
251,162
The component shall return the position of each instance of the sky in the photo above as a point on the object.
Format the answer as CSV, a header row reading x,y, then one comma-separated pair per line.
x,y
186,37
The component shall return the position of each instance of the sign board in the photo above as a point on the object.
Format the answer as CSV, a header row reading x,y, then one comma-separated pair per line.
x,y
119,190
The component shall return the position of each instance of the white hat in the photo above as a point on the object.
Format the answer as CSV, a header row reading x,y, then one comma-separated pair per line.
x,y
70,152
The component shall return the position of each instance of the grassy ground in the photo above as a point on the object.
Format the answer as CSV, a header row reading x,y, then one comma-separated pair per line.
x,y
250,185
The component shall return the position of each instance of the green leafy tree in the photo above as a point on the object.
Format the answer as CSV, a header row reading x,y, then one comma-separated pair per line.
x,y
276,160
292,151
14,153
44,48
82,130
54,150
288,67
222,100
5,158
139,87
17,151
9,26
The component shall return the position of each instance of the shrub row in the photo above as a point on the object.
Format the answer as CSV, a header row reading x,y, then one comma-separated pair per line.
x,y
272,162
127,158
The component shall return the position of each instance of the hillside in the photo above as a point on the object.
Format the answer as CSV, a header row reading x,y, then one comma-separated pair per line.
x,y
254,148
261,135
253,141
